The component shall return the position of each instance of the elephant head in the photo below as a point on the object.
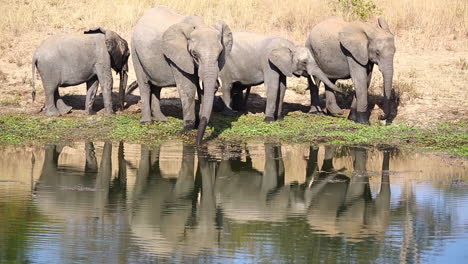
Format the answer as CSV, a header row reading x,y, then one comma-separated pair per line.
x,y
299,62
199,50
372,44
119,53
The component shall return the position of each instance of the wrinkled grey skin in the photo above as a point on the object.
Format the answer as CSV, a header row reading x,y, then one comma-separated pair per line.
x,y
68,60
257,59
346,50
175,50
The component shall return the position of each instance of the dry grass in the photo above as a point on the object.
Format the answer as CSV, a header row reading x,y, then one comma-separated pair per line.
x,y
294,18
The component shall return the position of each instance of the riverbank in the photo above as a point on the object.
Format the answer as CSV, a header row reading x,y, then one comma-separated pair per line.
x,y
297,127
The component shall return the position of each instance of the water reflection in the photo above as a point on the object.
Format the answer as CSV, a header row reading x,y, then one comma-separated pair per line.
x,y
105,202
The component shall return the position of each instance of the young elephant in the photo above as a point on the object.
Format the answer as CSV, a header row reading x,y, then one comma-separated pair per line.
x,y
67,60
255,59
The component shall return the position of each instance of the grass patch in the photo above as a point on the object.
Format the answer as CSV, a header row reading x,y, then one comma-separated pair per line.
x,y
297,127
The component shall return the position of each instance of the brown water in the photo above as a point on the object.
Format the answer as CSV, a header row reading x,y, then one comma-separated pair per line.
x,y
253,203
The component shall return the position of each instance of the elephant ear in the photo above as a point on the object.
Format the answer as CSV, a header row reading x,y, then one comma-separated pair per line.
x,y
383,25
118,50
226,40
116,46
282,59
354,39
175,46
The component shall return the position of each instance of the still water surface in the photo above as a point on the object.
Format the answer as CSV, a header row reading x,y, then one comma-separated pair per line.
x,y
252,203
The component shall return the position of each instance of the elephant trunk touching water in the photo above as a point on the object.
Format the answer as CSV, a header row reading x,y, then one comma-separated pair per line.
x,y
209,80
176,50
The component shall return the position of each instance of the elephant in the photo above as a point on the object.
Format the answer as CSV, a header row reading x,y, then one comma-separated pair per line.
x,y
346,50
257,59
170,49
68,60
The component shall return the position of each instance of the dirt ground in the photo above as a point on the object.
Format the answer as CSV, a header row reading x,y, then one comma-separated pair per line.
x,y
431,84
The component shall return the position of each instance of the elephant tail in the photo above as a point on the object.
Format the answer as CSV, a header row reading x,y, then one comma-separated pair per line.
x,y
33,78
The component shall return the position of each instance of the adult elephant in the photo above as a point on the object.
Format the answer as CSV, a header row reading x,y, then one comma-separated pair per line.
x,y
176,50
258,58
346,50
67,60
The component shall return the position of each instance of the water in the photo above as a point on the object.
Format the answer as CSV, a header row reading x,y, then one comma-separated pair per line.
x,y
252,203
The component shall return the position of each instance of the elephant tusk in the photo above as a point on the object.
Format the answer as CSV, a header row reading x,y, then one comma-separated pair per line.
x,y
200,83
220,83
313,81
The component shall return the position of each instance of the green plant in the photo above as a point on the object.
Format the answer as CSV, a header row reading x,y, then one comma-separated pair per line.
x,y
360,9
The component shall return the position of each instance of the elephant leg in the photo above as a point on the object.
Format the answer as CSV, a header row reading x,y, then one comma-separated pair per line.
x,y
145,91
62,107
282,92
314,96
187,86
91,90
156,105
227,97
50,99
359,75
272,89
330,101
104,75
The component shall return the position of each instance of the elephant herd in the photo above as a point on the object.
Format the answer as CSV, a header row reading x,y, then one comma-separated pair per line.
x,y
169,49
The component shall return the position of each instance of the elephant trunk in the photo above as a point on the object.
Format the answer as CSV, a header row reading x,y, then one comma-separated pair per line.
x,y
314,70
387,72
209,80
123,85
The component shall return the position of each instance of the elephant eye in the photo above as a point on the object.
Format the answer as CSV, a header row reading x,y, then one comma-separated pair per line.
x,y
195,54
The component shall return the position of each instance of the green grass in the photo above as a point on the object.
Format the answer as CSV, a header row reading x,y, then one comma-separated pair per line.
x,y
296,127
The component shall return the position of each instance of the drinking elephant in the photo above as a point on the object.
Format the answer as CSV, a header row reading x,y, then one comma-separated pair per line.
x,y
170,49
346,50
68,60
257,59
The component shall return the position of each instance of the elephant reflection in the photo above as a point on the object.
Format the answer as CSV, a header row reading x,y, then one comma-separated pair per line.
x,y
169,215
245,193
80,198
338,205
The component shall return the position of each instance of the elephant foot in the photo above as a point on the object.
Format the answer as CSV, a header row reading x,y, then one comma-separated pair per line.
x,y
189,125
315,109
269,119
280,118
109,112
146,122
62,107
359,117
90,111
52,111
334,109
228,112
160,118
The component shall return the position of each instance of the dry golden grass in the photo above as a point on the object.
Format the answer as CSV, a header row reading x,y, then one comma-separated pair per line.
x,y
293,18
